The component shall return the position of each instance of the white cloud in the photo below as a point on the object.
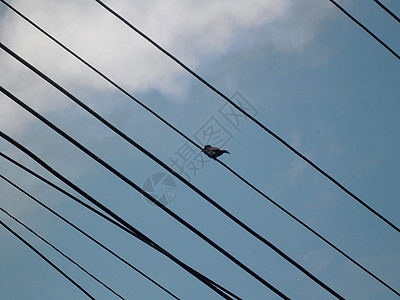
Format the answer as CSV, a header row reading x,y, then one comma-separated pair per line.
x,y
317,260
295,170
297,166
336,149
195,31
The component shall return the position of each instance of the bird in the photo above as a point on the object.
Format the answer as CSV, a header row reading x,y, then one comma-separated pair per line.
x,y
213,152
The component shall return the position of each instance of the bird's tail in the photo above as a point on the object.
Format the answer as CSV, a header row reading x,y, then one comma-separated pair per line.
x,y
225,151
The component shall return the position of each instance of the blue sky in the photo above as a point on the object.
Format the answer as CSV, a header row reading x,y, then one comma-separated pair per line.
x,y
313,77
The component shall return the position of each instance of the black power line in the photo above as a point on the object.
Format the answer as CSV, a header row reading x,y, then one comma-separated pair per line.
x,y
318,234
365,28
144,193
199,147
61,252
280,207
112,221
70,223
220,208
99,213
46,259
100,74
121,223
387,10
281,140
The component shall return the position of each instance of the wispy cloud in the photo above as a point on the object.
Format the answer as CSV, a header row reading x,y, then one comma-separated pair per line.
x,y
294,172
336,149
317,260
297,166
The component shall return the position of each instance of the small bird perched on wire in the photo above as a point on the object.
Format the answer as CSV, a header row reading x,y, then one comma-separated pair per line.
x,y
213,152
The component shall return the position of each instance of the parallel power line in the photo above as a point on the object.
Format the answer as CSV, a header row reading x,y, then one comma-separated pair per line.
x,y
387,10
366,29
147,195
199,147
237,221
70,223
46,260
265,128
314,232
61,253
123,224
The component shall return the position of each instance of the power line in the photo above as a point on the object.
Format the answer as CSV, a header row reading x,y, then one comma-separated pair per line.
x,y
62,253
92,200
100,73
366,29
300,221
317,234
109,219
199,147
220,208
281,140
147,195
112,127
70,223
387,10
121,223
46,259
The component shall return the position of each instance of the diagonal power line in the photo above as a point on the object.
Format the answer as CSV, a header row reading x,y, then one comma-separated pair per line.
x,y
244,226
387,10
199,147
365,29
121,223
99,73
46,259
70,223
61,253
147,195
265,128
318,235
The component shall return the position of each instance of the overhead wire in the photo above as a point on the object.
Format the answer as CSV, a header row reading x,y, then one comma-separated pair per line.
x,y
322,238
97,72
219,207
314,232
121,223
239,177
94,210
70,223
46,260
144,193
365,29
199,147
62,253
265,128
387,10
